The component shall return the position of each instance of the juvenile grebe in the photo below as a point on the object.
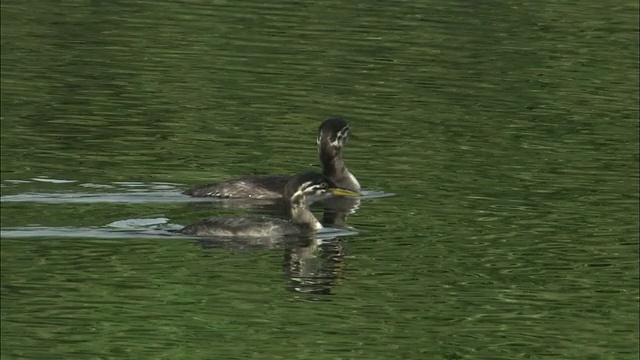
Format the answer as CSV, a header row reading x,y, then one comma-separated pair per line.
x,y
333,135
299,193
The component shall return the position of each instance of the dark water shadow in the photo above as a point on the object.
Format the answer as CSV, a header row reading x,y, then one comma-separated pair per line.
x,y
311,265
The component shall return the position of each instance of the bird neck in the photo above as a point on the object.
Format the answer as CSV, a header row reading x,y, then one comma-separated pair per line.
x,y
300,214
334,168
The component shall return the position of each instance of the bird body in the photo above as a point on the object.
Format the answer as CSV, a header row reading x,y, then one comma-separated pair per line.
x,y
299,193
256,187
333,135
253,226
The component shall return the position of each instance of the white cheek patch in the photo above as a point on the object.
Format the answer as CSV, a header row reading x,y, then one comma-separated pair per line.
x,y
341,138
303,189
312,189
315,193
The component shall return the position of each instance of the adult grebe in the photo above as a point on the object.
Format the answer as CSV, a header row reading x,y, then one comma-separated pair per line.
x,y
333,135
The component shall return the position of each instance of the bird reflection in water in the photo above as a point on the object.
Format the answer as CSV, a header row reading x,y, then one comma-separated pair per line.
x,y
313,264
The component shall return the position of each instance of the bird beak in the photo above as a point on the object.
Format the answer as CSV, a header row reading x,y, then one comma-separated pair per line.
x,y
344,192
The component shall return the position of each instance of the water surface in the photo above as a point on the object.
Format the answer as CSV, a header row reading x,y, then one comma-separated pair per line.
x,y
507,132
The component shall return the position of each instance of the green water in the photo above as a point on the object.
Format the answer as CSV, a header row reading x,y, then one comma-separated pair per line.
x,y
508,133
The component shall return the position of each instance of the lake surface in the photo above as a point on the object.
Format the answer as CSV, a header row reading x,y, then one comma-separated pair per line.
x,y
507,133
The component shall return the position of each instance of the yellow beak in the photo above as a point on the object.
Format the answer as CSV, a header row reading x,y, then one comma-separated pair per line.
x,y
344,192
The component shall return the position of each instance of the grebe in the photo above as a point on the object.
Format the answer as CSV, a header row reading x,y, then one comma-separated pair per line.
x,y
299,193
333,135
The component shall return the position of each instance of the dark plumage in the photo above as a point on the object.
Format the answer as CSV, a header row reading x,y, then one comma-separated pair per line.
x,y
258,187
333,134
299,193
